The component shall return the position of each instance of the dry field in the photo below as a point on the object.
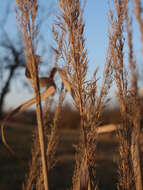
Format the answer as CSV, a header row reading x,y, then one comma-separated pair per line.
x,y
19,135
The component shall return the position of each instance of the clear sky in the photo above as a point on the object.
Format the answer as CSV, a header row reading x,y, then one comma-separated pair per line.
x,y
96,23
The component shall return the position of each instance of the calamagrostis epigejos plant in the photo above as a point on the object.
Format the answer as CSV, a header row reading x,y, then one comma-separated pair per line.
x,y
69,35
53,137
26,12
34,178
138,13
129,166
31,177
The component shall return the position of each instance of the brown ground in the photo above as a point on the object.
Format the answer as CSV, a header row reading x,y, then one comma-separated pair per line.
x,y
19,135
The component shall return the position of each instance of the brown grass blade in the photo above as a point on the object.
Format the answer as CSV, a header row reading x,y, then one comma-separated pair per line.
x,y
48,92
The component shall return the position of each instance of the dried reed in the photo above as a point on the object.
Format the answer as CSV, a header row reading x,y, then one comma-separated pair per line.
x,y
27,11
69,36
129,166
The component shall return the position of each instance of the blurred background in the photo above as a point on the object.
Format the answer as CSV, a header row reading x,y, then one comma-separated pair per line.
x,y
12,61
15,89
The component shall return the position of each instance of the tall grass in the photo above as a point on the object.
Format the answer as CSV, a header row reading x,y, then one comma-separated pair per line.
x,y
34,178
127,93
27,11
89,97
69,35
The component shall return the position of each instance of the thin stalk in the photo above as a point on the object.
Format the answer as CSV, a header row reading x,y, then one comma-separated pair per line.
x,y
40,123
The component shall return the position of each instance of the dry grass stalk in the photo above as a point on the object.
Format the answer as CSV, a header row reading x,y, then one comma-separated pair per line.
x,y
27,16
136,108
129,167
48,92
39,181
69,35
76,68
53,138
33,173
138,13
116,42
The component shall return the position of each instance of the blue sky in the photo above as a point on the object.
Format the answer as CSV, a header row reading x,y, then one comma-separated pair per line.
x,y
96,23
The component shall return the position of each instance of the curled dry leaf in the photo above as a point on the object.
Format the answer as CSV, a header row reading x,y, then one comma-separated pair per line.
x,y
48,92
49,84
66,82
